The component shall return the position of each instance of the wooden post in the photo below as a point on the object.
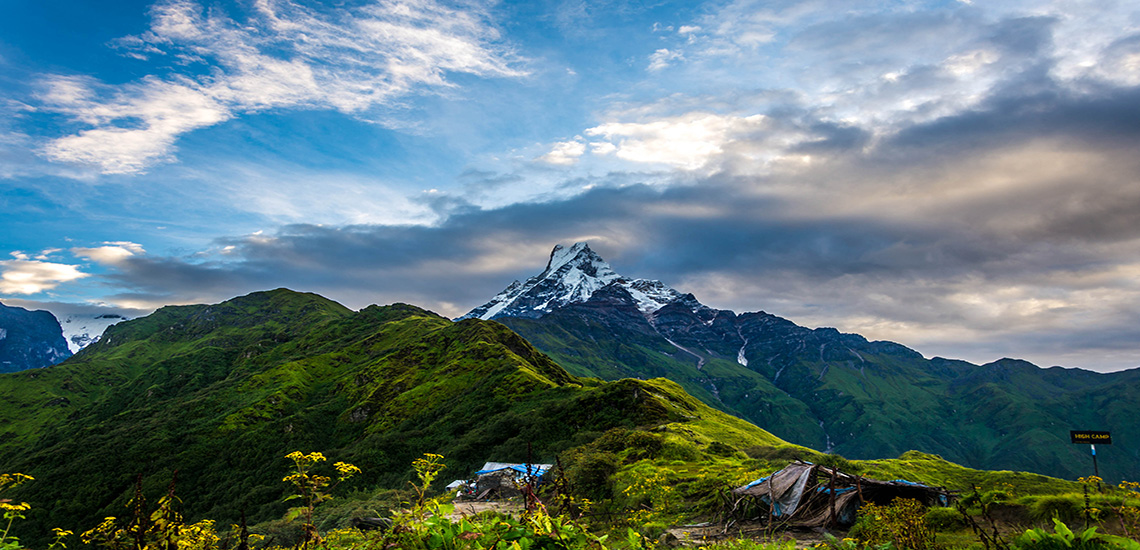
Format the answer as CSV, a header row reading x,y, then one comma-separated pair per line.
x,y
831,496
771,501
859,488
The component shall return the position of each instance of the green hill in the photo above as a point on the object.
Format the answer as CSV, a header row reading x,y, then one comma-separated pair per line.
x,y
843,394
223,392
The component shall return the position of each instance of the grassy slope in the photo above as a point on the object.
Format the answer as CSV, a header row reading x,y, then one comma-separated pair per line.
x,y
874,399
223,392
587,348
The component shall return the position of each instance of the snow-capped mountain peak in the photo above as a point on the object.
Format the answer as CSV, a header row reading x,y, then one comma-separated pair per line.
x,y
84,329
572,275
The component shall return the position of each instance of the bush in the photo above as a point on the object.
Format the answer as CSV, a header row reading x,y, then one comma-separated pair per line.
x,y
653,529
680,452
942,519
902,523
1067,508
721,449
589,474
639,444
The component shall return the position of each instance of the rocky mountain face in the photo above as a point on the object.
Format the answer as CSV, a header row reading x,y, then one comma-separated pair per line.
x,y
29,339
818,387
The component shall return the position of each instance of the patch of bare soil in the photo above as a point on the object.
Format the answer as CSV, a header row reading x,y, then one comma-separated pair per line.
x,y
695,535
472,507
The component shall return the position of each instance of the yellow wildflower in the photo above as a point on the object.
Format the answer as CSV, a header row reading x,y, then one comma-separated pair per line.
x,y
345,469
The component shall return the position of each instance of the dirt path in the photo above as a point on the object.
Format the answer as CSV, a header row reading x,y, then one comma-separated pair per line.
x,y
693,535
470,508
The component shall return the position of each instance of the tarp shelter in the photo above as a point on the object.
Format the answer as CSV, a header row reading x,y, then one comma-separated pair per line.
x,y
504,480
811,495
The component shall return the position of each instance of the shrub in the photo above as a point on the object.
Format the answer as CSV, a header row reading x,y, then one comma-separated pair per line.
x,y
589,474
639,444
902,523
680,452
1067,508
940,519
721,449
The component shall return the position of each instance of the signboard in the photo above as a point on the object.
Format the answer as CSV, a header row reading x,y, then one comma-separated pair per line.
x,y
1091,438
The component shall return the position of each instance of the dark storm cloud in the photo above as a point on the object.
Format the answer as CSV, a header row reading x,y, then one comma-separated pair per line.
x,y
1100,116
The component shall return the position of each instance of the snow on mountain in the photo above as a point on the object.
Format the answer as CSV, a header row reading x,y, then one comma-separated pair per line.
x,y
573,275
83,329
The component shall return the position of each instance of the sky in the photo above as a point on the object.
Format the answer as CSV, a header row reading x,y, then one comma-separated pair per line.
x,y
961,177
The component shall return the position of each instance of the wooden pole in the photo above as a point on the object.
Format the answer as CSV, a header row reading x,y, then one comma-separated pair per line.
x,y
831,495
771,501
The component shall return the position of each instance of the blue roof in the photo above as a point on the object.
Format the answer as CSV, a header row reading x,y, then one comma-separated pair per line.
x,y
525,469
757,482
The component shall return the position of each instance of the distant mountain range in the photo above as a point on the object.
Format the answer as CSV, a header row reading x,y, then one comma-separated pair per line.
x,y
29,339
819,387
36,339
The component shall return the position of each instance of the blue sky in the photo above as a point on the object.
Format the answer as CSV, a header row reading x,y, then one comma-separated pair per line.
x,y
960,177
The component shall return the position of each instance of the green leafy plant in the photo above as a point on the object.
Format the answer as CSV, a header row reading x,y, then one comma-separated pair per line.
x,y
312,488
1064,538
427,469
831,542
12,510
1129,514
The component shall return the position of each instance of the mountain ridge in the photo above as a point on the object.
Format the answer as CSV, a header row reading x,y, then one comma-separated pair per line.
x,y
836,391
222,392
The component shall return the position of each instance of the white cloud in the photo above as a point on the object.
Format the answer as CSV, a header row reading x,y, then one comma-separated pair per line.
x,y
111,253
564,153
602,148
135,127
687,141
46,253
23,276
662,58
284,56
883,65
969,63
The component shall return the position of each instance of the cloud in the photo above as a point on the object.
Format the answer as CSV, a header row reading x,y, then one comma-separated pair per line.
x,y
1006,230
687,141
962,180
283,56
663,58
26,276
111,253
564,153
135,127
